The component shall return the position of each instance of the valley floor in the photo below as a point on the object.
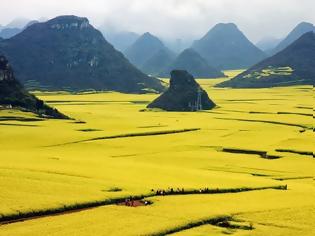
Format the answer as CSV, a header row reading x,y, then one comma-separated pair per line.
x,y
244,168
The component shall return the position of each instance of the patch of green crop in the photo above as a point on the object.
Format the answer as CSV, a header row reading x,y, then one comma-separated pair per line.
x,y
270,71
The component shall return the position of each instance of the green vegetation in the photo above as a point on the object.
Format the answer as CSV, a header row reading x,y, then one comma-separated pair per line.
x,y
270,71
13,95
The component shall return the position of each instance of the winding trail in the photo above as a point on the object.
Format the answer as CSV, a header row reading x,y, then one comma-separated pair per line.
x,y
266,121
68,209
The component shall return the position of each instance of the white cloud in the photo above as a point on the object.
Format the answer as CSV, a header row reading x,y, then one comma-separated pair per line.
x,y
173,18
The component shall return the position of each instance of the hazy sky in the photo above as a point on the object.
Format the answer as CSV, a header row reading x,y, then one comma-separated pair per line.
x,y
172,18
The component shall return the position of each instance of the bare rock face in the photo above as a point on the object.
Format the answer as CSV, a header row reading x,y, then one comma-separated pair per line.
x,y
13,94
184,94
6,73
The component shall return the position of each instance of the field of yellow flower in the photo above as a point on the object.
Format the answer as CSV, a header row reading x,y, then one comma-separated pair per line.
x,y
113,149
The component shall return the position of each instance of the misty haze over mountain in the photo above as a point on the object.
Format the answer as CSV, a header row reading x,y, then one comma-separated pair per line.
x,y
172,19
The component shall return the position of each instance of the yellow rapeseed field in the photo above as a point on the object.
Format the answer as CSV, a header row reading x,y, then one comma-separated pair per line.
x,y
54,164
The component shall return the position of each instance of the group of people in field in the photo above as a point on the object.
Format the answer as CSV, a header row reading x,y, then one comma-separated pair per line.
x,y
172,191
169,191
131,202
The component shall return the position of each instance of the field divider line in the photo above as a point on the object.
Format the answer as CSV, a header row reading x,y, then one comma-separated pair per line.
x,y
293,178
131,135
22,125
73,208
305,153
266,121
210,221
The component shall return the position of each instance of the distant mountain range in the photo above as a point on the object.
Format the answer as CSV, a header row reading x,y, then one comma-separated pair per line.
x,y
226,47
295,65
12,94
18,23
69,53
150,55
158,62
15,27
267,44
9,32
296,33
189,60
121,40
145,47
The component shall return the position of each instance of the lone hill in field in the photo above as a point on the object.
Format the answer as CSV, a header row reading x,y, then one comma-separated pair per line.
x,y
184,94
191,61
226,47
69,53
143,49
295,65
296,33
14,95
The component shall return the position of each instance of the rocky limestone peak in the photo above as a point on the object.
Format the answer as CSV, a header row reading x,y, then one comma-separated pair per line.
x,y
66,55
6,72
69,22
13,95
181,79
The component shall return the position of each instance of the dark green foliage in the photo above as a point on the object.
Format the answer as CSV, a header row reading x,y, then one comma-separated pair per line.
x,y
191,61
89,130
300,56
67,53
226,47
184,94
114,189
158,62
307,153
19,118
296,33
267,122
262,154
13,94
